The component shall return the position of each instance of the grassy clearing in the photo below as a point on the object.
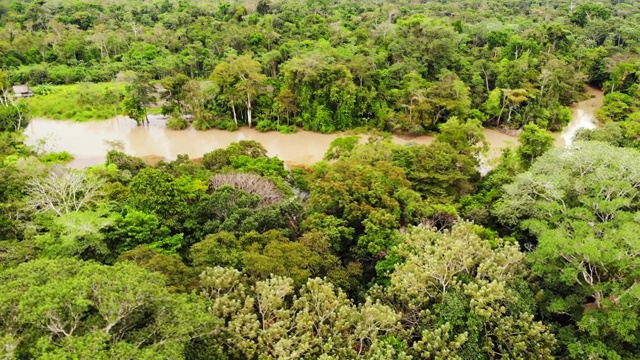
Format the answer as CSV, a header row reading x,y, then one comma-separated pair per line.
x,y
80,102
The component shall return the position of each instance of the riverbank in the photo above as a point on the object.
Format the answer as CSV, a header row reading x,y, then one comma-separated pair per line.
x,y
86,141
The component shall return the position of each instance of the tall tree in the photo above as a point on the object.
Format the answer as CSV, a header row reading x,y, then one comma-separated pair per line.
x,y
239,77
139,98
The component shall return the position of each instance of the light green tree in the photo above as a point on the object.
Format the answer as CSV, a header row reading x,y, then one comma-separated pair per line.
x,y
581,203
76,234
48,305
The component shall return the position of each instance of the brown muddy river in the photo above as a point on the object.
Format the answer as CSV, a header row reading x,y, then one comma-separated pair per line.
x,y
86,140
582,116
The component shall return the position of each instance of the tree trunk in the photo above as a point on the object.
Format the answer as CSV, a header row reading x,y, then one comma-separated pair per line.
x,y
486,79
235,117
504,103
249,109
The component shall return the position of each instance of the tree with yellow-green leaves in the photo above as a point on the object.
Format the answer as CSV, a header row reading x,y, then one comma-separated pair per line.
x,y
273,321
461,295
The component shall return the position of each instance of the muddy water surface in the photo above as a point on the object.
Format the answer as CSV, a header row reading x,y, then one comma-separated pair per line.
x,y
86,140
582,116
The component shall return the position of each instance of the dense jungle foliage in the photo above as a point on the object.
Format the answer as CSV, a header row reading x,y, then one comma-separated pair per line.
x,y
380,251
399,66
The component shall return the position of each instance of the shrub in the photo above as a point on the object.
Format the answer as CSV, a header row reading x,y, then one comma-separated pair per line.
x,y
62,157
266,126
288,129
177,123
44,89
204,122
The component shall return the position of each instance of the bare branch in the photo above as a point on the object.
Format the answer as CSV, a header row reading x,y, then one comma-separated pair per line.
x,y
63,191
251,183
